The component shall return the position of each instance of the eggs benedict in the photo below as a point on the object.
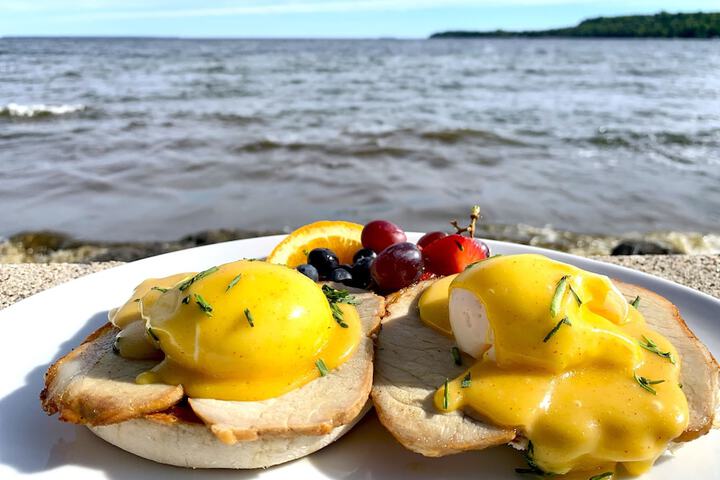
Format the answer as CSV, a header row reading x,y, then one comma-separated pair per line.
x,y
243,365
539,353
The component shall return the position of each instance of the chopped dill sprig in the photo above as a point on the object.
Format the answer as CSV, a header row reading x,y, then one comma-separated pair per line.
x,y
152,334
554,330
646,383
445,395
558,295
456,355
651,346
466,381
577,297
233,282
203,304
249,317
533,468
636,303
160,289
335,296
322,368
185,284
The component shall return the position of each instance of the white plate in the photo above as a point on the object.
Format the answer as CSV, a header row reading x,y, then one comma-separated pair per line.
x,y
39,329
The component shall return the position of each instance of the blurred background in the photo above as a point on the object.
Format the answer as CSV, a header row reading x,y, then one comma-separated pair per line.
x,y
133,128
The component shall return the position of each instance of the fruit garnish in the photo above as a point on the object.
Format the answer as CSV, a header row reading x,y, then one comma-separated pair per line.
x,y
429,238
309,271
324,260
396,267
343,238
453,253
380,234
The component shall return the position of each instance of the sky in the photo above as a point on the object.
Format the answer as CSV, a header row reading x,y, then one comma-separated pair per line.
x,y
309,18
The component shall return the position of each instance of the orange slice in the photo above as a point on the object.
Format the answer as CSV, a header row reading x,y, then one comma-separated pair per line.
x,y
343,238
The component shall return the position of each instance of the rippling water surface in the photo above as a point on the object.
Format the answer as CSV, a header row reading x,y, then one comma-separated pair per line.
x,y
152,139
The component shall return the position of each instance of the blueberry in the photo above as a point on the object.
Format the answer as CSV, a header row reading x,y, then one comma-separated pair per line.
x,y
361,272
341,275
364,253
309,271
324,260
347,267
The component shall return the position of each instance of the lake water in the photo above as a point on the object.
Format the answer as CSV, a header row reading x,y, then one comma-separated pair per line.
x,y
132,139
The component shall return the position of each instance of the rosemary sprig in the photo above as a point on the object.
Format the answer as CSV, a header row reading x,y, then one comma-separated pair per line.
x,y
445,395
558,295
577,297
466,381
646,383
233,282
249,317
160,289
335,296
554,330
185,284
456,355
636,303
602,476
651,346
322,368
203,304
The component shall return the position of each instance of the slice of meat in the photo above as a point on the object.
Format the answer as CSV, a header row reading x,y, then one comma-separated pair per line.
x,y
413,361
313,409
698,371
93,386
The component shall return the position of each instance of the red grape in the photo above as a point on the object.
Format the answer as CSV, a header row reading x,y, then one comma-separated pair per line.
x,y
429,238
396,267
380,234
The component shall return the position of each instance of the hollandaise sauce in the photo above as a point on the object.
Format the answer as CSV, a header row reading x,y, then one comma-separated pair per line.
x,y
246,330
563,358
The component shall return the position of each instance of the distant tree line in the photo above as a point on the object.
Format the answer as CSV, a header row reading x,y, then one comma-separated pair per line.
x,y
660,25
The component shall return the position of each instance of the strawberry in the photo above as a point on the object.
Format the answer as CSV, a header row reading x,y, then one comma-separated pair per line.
x,y
451,254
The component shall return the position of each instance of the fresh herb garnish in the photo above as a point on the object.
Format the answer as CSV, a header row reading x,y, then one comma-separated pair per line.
x,y
456,355
203,304
160,289
186,300
651,346
185,284
558,295
533,468
646,383
321,367
466,381
249,317
137,300
577,297
445,395
602,476
152,334
554,330
636,303
335,296
233,282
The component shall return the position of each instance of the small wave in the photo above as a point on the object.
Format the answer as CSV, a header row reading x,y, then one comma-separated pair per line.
x,y
38,110
463,134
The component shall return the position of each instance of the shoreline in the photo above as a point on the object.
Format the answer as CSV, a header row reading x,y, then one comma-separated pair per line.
x,y
58,247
